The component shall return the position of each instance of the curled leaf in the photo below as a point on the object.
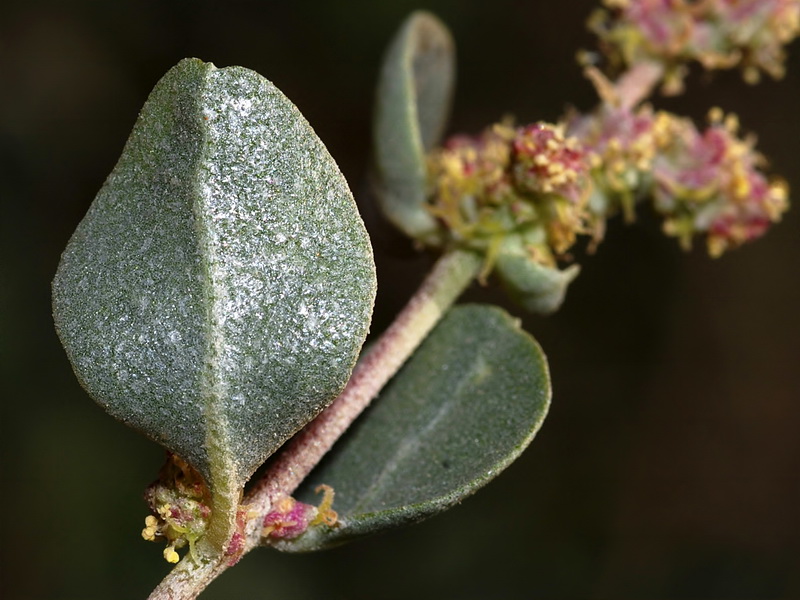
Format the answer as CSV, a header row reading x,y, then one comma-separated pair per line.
x,y
535,287
412,106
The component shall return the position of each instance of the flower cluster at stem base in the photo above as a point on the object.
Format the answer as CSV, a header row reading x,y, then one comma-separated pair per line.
x,y
289,518
180,502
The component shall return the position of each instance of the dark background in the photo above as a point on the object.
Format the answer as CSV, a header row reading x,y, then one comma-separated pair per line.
x,y
670,463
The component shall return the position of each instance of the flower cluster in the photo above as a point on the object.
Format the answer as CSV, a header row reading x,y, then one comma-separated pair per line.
x,y
289,518
625,139
710,182
522,195
180,502
705,182
546,184
719,34
533,181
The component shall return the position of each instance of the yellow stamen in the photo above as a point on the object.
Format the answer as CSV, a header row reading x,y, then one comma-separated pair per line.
x,y
715,115
149,533
716,246
285,504
325,514
170,555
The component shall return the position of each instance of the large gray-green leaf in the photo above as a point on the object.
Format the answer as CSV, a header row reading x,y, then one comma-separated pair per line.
x,y
218,291
463,408
412,106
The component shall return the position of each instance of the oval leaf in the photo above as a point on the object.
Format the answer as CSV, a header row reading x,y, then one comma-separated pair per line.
x,y
219,289
415,89
465,406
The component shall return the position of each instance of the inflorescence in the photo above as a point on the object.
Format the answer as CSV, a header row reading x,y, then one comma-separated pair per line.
x,y
180,504
546,184
718,34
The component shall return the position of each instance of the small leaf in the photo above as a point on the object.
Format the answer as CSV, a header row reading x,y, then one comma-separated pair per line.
x,y
533,286
465,406
412,107
218,291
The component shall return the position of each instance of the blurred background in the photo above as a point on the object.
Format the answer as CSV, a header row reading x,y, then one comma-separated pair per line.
x,y
670,463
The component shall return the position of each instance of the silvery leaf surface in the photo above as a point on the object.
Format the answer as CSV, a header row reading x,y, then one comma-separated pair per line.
x,y
218,291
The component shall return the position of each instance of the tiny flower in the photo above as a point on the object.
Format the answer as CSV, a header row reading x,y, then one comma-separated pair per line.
x,y
289,518
170,555
546,162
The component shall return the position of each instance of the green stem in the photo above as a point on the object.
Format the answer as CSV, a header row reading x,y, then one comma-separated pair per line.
x,y
444,284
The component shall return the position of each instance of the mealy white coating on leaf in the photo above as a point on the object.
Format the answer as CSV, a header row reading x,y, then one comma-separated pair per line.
x,y
222,280
299,289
